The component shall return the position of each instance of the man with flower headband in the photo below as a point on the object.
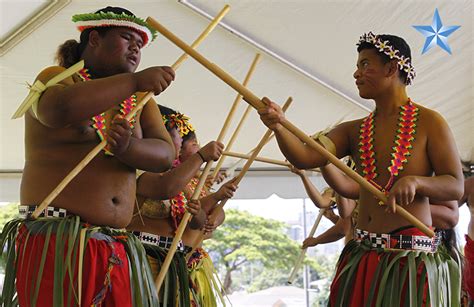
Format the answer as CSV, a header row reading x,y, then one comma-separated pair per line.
x,y
162,201
77,252
390,262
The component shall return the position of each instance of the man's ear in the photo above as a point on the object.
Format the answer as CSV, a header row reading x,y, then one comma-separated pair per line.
x,y
392,68
94,38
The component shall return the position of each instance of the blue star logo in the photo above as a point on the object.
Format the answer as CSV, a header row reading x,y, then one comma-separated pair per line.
x,y
436,33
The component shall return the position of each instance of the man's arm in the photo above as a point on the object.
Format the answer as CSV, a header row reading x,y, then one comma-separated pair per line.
x,y
320,201
155,152
333,234
345,206
169,184
445,215
298,153
340,182
68,102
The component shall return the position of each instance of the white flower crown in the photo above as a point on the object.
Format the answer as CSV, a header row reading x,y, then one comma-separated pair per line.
x,y
404,63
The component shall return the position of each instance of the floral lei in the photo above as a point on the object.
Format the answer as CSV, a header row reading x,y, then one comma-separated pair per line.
x,y
99,120
403,141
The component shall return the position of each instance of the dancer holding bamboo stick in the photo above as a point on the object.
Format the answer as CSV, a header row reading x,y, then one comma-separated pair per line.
x,y
383,245
66,122
161,203
204,281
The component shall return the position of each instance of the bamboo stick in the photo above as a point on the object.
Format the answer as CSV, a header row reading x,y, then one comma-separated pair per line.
x,y
252,99
300,259
259,159
230,170
94,152
242,120
231,141
256,151
263,159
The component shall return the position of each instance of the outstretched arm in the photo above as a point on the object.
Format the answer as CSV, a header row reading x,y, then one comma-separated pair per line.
x,y
320,201
226,191
166,185
333,234
297,152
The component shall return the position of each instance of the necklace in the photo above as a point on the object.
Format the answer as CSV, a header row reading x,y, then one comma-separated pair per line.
x,y
99,120
403,143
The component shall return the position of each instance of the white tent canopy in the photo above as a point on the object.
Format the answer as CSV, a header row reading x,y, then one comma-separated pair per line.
x,y
308,50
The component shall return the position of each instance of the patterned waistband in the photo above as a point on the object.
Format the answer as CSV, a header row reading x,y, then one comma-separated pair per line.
x,y
26,210
157,240
188,249
405,242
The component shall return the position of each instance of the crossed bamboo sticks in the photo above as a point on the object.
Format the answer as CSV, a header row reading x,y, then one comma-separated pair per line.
x,y
253,156
257,103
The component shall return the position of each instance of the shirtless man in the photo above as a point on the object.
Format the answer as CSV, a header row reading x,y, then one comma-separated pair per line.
x,y
60,130
383,71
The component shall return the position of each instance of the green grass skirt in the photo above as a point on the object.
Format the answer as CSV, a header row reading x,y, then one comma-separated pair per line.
x,y
76,234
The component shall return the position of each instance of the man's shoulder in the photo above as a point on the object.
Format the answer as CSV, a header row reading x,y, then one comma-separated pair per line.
x,y
427,111
351,124
49,72
429,116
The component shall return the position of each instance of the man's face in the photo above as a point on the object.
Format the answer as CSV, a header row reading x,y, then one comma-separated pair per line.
x,y
189,148
370,74
119,50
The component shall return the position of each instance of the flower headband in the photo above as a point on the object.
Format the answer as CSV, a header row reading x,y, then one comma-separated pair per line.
x,y
404,63
111,19
180,121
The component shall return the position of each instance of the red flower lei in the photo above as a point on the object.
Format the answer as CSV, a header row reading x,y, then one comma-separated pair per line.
x,y
99,120
403,141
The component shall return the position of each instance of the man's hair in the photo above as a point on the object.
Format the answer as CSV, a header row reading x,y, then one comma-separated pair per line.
x,y
70,52
397,43
190,136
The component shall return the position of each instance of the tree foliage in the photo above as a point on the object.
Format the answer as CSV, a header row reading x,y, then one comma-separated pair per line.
x,y
245,238
7,213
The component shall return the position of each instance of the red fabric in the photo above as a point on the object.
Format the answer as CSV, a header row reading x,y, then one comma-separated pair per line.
x,y
469,267
95,266
365,274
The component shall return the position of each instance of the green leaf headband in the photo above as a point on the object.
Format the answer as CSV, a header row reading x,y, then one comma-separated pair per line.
x,y
404,63
110,19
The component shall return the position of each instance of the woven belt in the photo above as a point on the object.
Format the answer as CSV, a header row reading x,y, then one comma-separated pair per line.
x,y
188,249
405,242
157,240
26,210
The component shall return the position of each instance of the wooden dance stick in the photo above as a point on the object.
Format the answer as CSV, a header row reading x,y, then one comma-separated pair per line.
x,y
230,170
231,142
303,251
252,99
262,159
242,120
94,152
256,151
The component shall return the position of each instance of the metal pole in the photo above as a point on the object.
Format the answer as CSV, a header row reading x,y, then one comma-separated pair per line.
x,y
305,267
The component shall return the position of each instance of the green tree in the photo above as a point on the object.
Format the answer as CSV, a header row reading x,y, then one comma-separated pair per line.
x,y
7,213
245,238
